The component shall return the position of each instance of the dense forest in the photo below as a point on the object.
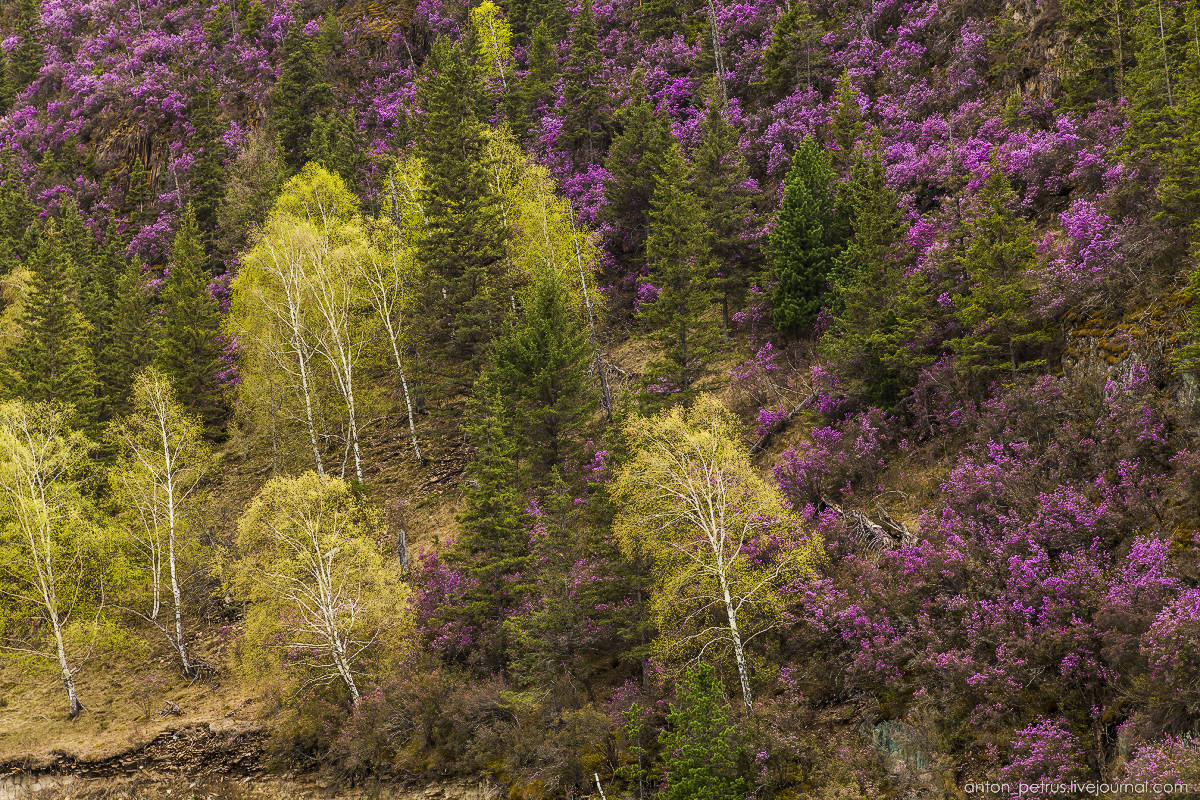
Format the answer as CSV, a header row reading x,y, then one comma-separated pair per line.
x,y
680,399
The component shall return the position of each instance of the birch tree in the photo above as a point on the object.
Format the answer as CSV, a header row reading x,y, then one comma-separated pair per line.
x,y
389,272
307,561
163,459
42,553
341,336
296,303
269,314
719,538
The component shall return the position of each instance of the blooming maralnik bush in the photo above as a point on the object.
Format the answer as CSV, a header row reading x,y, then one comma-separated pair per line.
x,y
1175,759
1044,752
1172,646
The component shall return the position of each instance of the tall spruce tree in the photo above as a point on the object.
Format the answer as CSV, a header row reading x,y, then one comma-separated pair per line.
x,y
138,192
494,548
336,144
804,242
463,251
52,361
721,180
794,53
657,19
18,233
541,364
190,343
26,58
868,287
585,130
1002,334
681,270
8,89
207,183
301,94
130,346
700,742
537,90
633,164
846,125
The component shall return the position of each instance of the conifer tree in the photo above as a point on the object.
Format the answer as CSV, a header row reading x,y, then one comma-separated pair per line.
x,y
1001,333
190,343
846,127
868,283
18,234
584,128
721,180
335,143
207,184
300,95
681,270
139,191
700,752
634,163
99,290
463,251
8,90
130,346
803,242
494,545
527,15
538,89
1163,90
26,58
794,51
52,362
657,19
541,365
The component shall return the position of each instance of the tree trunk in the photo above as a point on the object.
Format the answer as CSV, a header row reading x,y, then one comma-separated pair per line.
x,y
738,653
68,674
412,427
605,394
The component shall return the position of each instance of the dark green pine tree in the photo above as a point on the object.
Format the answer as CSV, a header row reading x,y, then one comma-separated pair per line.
x,y
657,19
573,628
1162,87
585,129
700,744
634,163
846,125
794,54
101,294
26,58
463,252
721,179
494,548
207,178
1099,53
537,90
337,145
52,361
300,95
526,15
1001,332
77,241
868,284
681,270
18,233
130,346
138,194
8,90
541,364
190,343
804,242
